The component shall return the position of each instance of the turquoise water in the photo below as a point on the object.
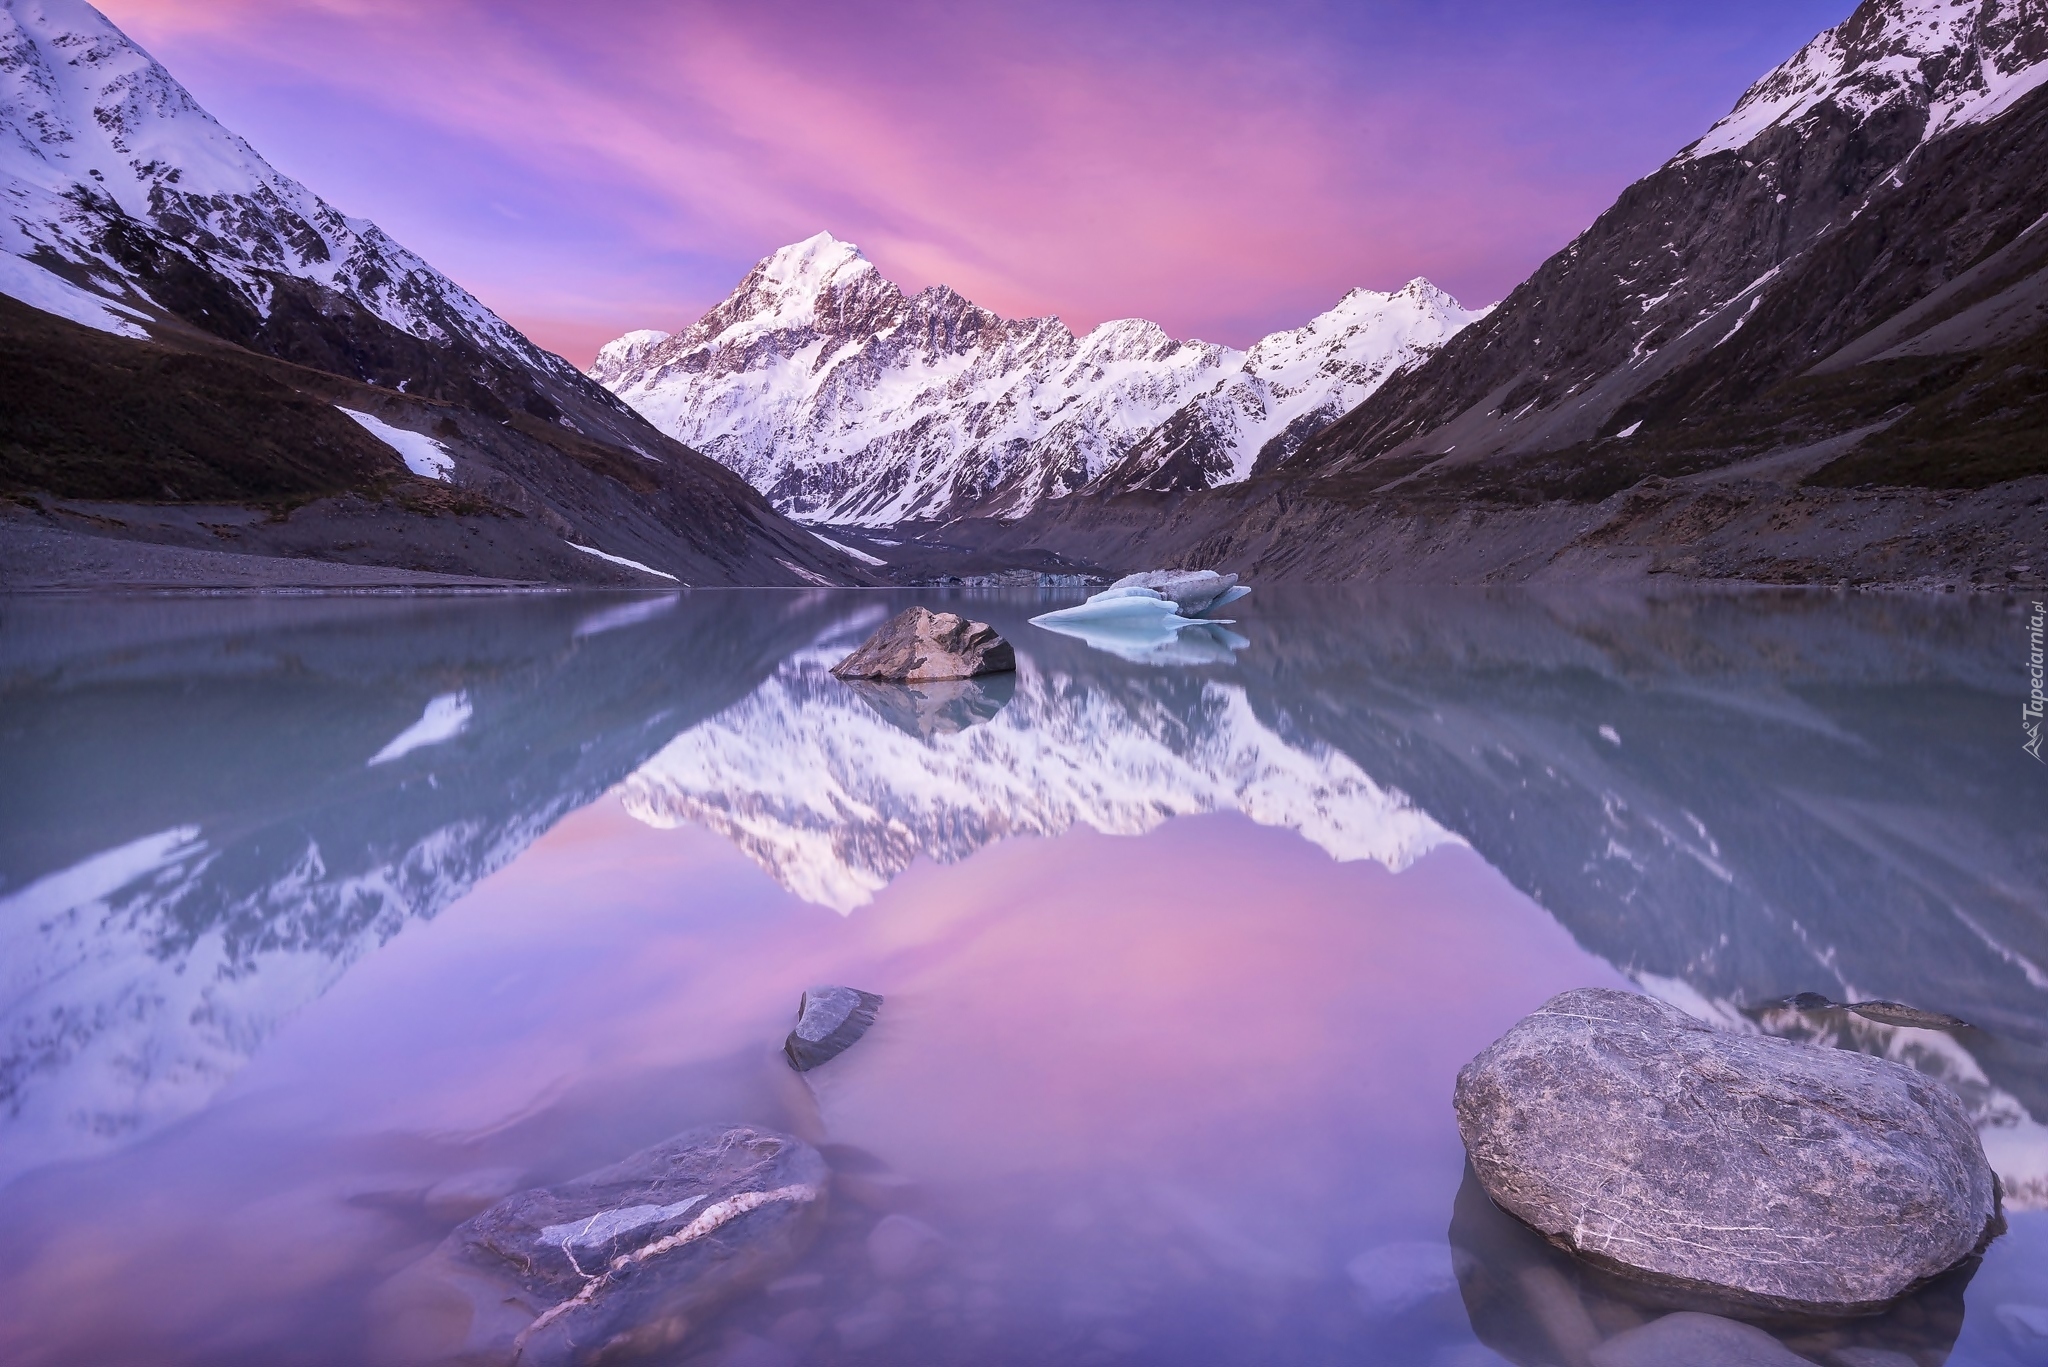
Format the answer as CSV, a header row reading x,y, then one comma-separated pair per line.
x,y
324,919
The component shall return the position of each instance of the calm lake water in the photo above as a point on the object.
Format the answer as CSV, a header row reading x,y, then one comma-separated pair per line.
x,y
323,919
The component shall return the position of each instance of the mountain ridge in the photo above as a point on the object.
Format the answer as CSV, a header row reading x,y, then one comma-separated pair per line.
x,y
189,331
847,401
1816,355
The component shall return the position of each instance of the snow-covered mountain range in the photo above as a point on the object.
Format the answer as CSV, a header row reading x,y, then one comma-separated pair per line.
x,y
846,401
96,138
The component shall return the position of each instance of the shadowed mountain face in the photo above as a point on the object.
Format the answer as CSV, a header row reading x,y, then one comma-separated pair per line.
x,y
1812,347
1855,247
1730,799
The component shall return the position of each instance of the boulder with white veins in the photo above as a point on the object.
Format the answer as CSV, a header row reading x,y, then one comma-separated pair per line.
x,y
621,1260
918,645
1772,1173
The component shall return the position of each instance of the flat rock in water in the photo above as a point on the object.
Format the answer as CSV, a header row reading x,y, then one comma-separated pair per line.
x,y
621,1260
918,644
828,1021
1883,1012
1773,1173
1898,1013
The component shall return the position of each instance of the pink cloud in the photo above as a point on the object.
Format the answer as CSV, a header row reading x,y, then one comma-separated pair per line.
x,y
1218,171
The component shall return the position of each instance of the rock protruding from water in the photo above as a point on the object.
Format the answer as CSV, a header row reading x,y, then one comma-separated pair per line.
x,y
828,1021
620,1261
917,645
1777,1174
1192,591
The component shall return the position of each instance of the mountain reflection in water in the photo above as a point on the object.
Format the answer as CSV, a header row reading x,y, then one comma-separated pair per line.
x,y
216,809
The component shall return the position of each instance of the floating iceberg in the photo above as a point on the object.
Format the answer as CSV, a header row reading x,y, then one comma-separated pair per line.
x,y
1193,591
1153,618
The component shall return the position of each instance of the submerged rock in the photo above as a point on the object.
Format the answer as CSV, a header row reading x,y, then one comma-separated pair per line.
x,y
1191,591
918,644
901,1247
626,1258
466,1193
1696,1340
828,1021
1883,1012
1773,1173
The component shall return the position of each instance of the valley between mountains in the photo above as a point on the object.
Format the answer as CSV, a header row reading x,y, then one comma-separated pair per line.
x,y
1811,348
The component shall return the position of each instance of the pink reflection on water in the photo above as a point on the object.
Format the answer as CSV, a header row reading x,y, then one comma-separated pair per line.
x,y
1265,1037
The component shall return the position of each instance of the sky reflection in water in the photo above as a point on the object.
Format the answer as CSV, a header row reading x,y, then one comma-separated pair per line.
x,y
401,891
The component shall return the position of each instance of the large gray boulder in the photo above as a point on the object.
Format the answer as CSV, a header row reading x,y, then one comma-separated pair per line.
x,y
1770,1173
918,644
620,1261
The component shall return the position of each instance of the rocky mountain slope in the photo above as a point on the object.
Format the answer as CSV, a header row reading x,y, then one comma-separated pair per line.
x,y
184,322
846,401
1812,346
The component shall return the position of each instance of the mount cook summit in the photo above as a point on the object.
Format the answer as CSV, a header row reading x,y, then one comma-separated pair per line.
x,y
846,401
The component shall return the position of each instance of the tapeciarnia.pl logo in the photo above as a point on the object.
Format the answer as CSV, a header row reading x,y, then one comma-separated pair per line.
x,y
2030,714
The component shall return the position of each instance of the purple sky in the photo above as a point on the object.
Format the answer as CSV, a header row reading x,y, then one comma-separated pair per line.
x,y
1224,169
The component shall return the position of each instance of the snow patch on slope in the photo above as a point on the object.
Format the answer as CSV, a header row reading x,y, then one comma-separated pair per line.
x,y
41,289
621,560
422,455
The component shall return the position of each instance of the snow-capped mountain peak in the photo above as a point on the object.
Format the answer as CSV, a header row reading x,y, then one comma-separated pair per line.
x,y
796,287
1961,61
98,140
1292,385
843,400
621,354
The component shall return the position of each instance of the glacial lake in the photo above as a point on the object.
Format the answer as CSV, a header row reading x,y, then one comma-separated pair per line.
x,y
324,919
